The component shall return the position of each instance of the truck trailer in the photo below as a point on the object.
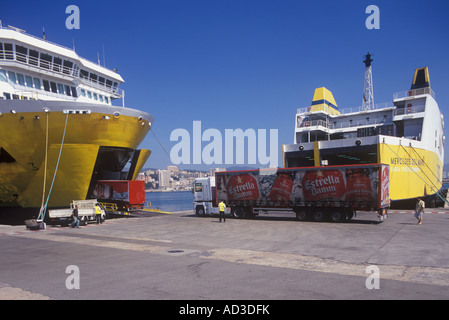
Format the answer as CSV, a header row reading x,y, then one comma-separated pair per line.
x,y
318,193
126,195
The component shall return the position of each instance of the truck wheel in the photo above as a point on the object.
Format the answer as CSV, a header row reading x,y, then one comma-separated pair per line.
x,y
199,211
349,214
237,212
338,215
319,215
302,214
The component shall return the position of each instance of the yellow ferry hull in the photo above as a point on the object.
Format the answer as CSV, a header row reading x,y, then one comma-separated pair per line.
x,y
23,141
413,172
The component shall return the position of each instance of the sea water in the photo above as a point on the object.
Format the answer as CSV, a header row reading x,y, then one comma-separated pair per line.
x,y
170,201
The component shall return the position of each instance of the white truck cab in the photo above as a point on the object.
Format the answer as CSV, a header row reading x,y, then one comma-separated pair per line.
x,y
204,197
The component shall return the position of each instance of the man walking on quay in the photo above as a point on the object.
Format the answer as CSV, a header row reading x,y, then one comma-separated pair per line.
x,y
420,205
76,220
222,207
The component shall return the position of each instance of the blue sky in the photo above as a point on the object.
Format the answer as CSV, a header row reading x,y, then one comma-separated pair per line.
x,y
246,63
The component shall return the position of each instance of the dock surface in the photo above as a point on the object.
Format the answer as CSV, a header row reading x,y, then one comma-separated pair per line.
x,y
272,257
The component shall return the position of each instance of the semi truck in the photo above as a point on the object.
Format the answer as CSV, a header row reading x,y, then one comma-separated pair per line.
x,y
318,193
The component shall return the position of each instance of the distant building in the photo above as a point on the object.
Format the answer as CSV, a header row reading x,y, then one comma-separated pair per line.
x,y
173,169
164,178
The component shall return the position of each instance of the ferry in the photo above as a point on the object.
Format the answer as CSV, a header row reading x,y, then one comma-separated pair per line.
x,y
407,134
59,130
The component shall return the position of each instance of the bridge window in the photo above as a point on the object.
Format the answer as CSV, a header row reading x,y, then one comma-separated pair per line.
x,y
29,81
45,61
67,67
60,88
3,75
46,85
21,53
8,51
21,79
33,57
84,74
93,77
37,83
12,77
57,64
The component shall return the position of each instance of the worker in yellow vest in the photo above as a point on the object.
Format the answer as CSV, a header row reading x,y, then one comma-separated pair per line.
x,y
98,213
222,208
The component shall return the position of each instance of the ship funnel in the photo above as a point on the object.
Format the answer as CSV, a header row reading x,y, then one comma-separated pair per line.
x,y
323,100
421,79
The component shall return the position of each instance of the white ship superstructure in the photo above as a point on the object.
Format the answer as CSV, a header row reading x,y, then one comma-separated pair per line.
x,y
406,133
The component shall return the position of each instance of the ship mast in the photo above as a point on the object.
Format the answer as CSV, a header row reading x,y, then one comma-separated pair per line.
x,y
368,94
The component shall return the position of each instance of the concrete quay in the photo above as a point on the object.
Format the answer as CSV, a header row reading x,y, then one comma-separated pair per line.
x,y
272,257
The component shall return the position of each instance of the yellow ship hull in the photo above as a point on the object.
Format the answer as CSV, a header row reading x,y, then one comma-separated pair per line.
x,y
28,138
413,172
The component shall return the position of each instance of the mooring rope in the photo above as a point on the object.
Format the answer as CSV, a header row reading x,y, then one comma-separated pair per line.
x,y
45,166
42,213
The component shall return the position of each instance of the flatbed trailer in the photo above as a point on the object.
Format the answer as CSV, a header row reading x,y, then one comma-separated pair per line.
x,y
86,213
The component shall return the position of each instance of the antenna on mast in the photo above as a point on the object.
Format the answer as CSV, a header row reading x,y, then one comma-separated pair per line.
x,y
368,93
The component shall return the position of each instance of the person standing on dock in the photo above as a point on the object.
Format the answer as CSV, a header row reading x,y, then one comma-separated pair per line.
x,y
98,213
420,205
222,207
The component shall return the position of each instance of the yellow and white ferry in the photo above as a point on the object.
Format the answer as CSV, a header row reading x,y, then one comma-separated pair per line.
x,y
407,134
59,131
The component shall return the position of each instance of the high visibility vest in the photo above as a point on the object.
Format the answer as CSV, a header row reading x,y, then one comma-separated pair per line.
x,y
222,206
97,210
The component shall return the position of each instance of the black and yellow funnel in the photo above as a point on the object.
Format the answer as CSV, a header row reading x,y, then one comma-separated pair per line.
x,y
421,79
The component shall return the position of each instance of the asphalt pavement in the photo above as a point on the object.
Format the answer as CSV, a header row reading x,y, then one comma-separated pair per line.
x,y
272,257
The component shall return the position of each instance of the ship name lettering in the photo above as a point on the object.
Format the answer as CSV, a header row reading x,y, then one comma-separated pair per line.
x,y
406,161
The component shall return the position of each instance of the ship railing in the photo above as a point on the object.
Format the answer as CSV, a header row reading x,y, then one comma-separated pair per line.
x,y
46,66
115,90
312,123
414,92
377,121
41,64
33,94
44,39
409,110
377,106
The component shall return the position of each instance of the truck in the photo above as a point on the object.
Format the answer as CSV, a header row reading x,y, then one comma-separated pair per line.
x,y
318,193
86,213
125,195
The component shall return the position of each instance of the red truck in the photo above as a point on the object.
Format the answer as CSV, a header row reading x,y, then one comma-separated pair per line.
x,y
334,192
127,195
